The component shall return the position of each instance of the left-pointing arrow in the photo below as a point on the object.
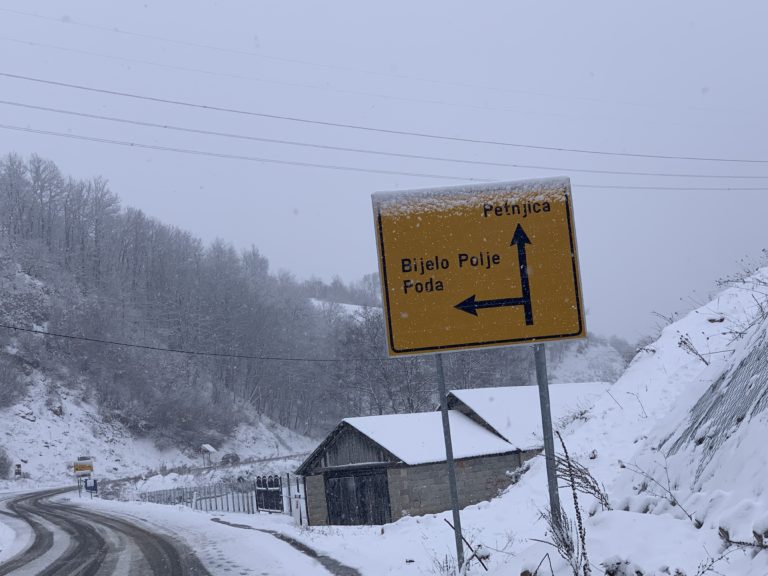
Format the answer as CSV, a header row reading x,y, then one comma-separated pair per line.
x,y
471,305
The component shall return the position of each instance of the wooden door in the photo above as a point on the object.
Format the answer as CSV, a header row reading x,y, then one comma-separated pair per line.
x,y
357,497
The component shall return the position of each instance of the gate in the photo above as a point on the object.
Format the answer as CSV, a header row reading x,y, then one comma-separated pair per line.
x,y
269,493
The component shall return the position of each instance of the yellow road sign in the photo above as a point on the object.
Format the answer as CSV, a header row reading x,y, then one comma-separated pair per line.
x,y
476,266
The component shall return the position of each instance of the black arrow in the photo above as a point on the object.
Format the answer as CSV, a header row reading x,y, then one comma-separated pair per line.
x,y
471,305
521,239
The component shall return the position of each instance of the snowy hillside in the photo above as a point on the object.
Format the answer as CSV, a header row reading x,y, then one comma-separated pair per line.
x,y
672,477
51,426
713,443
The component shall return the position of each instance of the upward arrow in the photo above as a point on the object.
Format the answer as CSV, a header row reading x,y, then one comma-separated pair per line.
x,y
521,239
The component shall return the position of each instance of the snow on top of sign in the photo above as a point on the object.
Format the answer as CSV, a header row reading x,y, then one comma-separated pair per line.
x,y
418,438
448,197
514,411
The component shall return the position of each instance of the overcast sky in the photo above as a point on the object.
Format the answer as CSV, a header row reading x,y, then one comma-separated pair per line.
x,y
671,79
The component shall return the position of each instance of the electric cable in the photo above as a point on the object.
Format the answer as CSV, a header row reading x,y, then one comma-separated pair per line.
x,y
194,152
374,129
367,150
259,159
220,74
180,350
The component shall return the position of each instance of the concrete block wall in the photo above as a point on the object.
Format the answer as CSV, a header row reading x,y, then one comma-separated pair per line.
x,y
317,507
423,489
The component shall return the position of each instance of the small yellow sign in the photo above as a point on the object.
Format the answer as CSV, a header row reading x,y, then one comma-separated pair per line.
x,y
477,266
83,467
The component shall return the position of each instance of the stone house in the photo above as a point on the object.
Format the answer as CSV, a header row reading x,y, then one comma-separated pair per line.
x,y
377,469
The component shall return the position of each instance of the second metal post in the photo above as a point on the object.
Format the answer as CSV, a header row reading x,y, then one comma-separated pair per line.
x,y
449,459
546,426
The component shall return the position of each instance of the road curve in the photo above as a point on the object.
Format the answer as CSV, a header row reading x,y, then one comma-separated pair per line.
x,y
72,541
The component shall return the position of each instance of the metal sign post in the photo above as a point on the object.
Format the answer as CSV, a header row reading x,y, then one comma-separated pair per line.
x,y
546,425
449,458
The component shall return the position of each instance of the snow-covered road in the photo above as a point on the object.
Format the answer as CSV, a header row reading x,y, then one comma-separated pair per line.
x,y
227,542
52,537
54,531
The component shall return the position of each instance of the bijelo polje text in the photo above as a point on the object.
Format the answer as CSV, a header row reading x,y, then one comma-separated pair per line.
x,y
422,268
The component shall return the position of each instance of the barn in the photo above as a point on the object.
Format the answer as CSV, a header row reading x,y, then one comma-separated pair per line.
x,y
377,469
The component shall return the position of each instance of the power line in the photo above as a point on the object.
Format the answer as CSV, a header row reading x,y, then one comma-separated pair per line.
x,y
251,53
346,168
234,156
221,74
325,65
375,129
367,150
181,351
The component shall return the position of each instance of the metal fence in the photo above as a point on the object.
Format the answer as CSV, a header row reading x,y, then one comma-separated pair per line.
x,y
271,494
265,494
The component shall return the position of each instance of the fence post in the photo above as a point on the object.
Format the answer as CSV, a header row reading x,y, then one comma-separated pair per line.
x,y
282,493
298,502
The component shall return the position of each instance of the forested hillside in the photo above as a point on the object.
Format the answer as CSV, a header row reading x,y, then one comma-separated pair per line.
x,y
77,268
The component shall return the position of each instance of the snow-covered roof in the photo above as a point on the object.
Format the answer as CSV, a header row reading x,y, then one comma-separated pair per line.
x,y
514,411
208,448
418,438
